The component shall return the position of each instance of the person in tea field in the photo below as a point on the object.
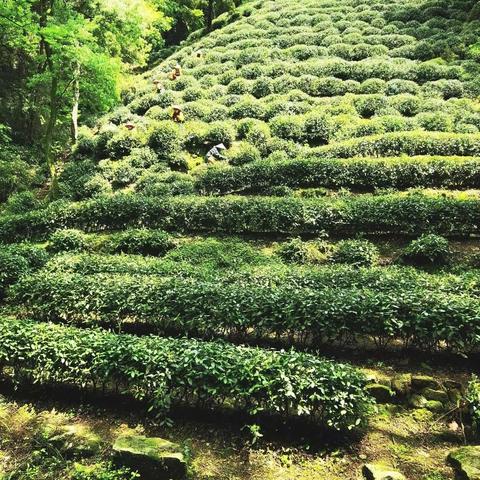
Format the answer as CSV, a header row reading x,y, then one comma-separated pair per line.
x,y
177,115
159,85
176,72
215,153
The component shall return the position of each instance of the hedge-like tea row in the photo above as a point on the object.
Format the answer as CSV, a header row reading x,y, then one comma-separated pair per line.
x,y
407,143
394,213
358,174
414,315
335,276
163,371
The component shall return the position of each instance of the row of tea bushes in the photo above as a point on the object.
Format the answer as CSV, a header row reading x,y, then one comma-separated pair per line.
x,y
395,213
163,371
385,278
413,315
365,174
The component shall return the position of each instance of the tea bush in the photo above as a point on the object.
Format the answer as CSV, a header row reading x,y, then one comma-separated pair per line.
x,y
140,241
428,250
161,371
67,240
315,311
472,396
397,213
359,253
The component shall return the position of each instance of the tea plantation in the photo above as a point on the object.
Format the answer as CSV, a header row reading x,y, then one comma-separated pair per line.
x,y
301,302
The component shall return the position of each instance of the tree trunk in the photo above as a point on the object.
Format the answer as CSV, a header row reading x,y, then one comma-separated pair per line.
x,y
76,101
49,134
209,17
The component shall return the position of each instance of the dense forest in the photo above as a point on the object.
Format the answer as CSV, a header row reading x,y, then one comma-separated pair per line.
x,y
239,239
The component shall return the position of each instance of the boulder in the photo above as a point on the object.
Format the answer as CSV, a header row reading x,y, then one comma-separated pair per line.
x,y
420,382
453,385
381,393
439,395
402,384
434,406
76,440
380,472
417,401
465,461
153,458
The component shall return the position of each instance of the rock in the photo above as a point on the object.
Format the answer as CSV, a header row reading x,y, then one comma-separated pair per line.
x,y
380,472
420,382
439,395
153,458
465,461
455,395
434,406
76,440
402,384
417,401
453,385
381,393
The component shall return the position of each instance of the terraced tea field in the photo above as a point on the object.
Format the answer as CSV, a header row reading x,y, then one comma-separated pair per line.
x,y
303,303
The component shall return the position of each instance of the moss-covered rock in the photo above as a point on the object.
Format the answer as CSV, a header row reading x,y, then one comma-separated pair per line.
x,y
153,458
435,406
420,382
402,384
417,401
381,393
439,395
380,472
76,440
465,461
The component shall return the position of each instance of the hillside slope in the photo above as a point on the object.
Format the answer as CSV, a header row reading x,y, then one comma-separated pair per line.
x,y
342,223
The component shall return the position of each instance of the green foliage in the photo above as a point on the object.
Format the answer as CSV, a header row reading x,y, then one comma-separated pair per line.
x,y
428,250
12,267
357,174
242,153
101,471
297,251
359,253
334,304
162,370
472,396
141,241
15,175
164,139
68,240
411,214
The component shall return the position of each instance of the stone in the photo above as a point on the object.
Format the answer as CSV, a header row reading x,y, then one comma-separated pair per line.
x,y
381,393
153,458
439,395
420,382
76,440
417,401
380,472
455,396
453,385
402,384
434,406
465,462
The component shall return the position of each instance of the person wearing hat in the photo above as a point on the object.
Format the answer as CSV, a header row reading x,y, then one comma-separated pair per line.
x,y
177,115
159,86
176,72
215,153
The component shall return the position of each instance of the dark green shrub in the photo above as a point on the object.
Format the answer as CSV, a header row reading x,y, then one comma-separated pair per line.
x,y
472,396
243,153
21,202
12,267
288,127
164,139
35,256
367,107
68,240
298,251
318,128
141,242
248,109
435,121
15,175
359,253
161,371
427,250
220,132
408,105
